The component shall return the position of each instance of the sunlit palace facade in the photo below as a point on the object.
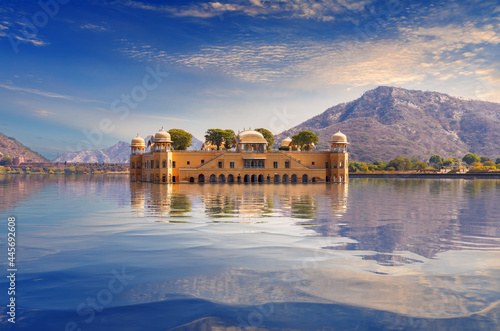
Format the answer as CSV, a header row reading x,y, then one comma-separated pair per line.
x,y
249,162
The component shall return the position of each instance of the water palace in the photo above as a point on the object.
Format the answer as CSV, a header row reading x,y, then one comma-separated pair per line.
x,y
250,162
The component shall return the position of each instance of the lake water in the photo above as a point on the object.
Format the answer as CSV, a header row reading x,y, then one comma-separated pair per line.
x,y
100,253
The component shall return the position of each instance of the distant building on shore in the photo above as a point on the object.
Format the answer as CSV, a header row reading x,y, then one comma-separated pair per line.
x,y
17,160
250,162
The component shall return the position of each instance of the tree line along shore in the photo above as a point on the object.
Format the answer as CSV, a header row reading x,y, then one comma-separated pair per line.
x,y
64,168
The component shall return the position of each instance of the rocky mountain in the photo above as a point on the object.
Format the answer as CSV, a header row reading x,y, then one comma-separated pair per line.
x,y
196,144
11,147
387,122
118,153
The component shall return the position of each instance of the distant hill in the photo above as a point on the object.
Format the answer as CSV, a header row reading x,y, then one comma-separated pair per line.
x,y
118,153
196,144
387,122
11,147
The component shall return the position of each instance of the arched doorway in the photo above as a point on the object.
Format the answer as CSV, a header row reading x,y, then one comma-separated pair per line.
x,y
222,178
133,178
341,179
276,178
294,178
254,178
285,178
191,179
163,178
230,179
261,178
201,178
334,179
246,179
151,178
213,178
305,178
314,179
239,179
268,179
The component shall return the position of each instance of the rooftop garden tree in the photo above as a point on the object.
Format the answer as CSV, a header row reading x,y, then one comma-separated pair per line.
x,y
268,135
304,139
181,139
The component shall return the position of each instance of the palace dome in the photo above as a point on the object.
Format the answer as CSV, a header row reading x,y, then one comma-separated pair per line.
x,y
286,142
138,142
339,137
162,136
251,136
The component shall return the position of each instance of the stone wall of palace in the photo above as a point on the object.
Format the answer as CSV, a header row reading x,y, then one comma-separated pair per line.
x,y
222,166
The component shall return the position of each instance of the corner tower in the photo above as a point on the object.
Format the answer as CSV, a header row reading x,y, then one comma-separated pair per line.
x,y
339,158
137,148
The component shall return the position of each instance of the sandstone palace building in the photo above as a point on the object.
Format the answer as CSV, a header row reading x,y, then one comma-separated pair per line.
x,y
249,162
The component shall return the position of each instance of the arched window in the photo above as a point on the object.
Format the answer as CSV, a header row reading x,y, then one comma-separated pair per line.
x,y
132,165
163,164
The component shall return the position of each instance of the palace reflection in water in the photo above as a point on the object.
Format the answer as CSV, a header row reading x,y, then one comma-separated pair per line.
x,y
424,217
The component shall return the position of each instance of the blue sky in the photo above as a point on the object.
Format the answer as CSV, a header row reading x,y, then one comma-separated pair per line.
x,y
85,74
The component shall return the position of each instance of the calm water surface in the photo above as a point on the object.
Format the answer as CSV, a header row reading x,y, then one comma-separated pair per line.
x,y
100,253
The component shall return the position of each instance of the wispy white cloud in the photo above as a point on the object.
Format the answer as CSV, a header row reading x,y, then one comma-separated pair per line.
x,y
47,94
43,113
308,9
34,40
437,53
93,27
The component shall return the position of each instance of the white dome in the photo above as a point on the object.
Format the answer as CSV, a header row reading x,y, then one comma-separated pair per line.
x,y
339,137
162,136
286,142
138,142
251,136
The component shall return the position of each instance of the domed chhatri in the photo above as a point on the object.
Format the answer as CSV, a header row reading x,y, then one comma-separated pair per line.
x,y
339,138
162,136
138,142
287,142
251,141
249,161
251,136
138,145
